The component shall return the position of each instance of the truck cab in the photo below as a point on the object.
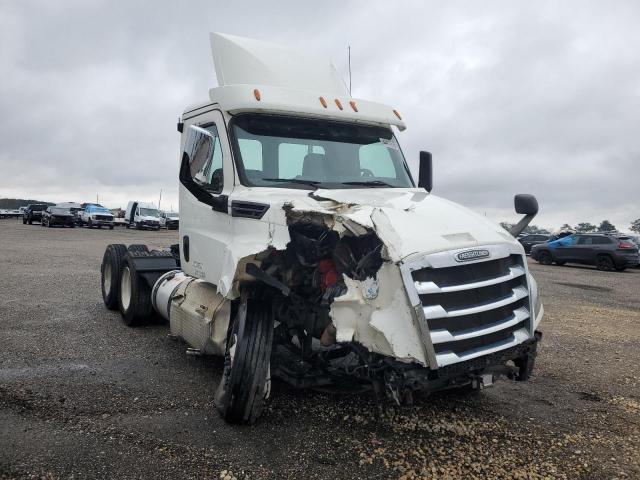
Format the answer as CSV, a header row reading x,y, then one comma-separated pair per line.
x,y
308,252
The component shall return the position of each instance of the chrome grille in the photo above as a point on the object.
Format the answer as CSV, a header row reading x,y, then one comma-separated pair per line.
x,y
470,309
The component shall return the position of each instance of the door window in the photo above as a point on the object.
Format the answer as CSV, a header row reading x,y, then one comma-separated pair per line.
x,y
204,156
601,241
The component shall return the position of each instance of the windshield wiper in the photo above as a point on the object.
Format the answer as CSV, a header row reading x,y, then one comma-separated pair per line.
x,y
312,183
368,183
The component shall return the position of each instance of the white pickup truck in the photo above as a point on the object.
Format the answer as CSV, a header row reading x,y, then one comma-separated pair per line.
x,y
308,252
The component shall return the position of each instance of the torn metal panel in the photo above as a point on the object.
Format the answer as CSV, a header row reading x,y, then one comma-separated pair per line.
x,y
376,313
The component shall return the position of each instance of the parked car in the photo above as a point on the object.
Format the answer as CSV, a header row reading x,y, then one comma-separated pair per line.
x,y
61,216
529,241
33,213
97,216
75,208
606,252
9,213
170,220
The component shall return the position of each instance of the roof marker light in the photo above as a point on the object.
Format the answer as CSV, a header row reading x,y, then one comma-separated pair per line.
x,y
256,93
338,104
353,105
397,114
323,102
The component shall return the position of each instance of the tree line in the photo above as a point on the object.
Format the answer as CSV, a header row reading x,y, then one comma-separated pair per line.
x,y
15,203
582,227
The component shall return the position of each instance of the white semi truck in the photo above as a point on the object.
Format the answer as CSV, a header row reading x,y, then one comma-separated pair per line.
x,y
307,251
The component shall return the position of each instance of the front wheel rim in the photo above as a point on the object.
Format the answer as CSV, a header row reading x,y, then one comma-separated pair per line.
x,y
125,288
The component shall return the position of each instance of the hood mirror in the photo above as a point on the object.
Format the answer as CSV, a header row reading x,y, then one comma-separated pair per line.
x,y
526,205
425,174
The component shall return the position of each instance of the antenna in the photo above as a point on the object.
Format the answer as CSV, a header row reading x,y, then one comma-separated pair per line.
x,y
349,50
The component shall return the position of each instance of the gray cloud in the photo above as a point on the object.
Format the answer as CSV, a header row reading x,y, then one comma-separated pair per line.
x,y
541,97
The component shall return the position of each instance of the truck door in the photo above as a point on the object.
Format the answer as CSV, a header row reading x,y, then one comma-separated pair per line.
x,y
206,180
565,248
584,249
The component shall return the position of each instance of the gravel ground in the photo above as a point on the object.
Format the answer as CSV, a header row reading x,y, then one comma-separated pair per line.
x,y
83,396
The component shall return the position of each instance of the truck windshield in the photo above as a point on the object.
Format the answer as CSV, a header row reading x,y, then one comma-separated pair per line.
x,y
102,210
292,152
60,211
149,212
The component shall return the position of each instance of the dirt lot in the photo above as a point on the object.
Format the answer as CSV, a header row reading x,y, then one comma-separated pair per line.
x,y
83,396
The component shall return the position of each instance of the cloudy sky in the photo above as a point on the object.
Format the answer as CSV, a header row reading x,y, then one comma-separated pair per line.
x,y
533,97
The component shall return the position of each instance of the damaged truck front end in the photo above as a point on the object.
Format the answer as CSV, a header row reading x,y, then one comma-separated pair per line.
x,y
350,315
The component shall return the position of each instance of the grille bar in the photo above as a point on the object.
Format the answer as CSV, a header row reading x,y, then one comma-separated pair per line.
x,y
436,311
425,288
443,335
449,357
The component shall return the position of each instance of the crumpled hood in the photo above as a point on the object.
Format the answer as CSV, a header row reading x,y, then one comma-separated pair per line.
x,y
408,220
415,222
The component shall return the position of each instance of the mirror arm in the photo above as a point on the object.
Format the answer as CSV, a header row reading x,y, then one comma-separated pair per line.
x,y
521,225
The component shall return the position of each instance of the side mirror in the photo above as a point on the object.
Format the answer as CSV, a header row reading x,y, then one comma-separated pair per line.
x,y
525,204
425,174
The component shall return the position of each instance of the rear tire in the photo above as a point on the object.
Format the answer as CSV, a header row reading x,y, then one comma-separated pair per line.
x,y
110,227
110,271
245,381
135,295
545,258
138,247
604,263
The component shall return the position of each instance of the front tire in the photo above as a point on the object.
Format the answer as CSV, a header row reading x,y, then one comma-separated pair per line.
x,y
135,295
545,258
110,271
245,381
